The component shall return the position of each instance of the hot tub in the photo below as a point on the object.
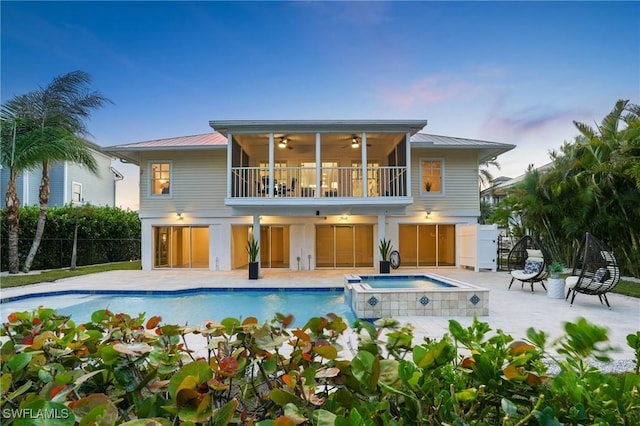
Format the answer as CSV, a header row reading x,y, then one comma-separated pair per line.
x,y
385,295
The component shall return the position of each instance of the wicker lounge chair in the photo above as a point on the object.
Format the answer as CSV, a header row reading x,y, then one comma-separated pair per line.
x,y
595,271
527,262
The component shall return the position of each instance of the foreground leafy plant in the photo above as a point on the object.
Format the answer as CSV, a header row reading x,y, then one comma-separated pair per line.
x,y
120,369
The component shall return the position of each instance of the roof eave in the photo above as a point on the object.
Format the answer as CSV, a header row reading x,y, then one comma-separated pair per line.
x,y
225,127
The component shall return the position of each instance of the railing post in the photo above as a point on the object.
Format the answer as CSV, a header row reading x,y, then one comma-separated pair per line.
x,y
229,162
365,176
407,179
318,166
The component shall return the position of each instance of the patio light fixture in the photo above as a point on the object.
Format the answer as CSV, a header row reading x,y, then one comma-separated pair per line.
x,y
355,143
179,215
283,142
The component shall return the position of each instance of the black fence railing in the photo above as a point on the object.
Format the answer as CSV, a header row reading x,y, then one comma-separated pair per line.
x,y
56,253
505,244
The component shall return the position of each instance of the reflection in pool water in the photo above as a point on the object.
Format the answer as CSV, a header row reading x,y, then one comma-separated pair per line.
x,y
196,307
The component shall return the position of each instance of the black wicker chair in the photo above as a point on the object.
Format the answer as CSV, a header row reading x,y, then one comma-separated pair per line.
x,y
595,271
527,262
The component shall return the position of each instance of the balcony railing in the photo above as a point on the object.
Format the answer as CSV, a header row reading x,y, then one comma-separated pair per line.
x,y
300,182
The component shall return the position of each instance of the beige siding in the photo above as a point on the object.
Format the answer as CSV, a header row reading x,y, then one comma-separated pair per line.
x,y
460,181
198,182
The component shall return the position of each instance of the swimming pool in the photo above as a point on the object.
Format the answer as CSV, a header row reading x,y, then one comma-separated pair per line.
x,y
193,306
378,296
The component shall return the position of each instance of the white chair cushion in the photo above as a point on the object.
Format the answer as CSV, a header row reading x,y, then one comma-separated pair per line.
x,y
519,274
534,253
570,282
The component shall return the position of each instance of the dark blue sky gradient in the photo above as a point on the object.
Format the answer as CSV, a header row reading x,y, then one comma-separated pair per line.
x,y
513,72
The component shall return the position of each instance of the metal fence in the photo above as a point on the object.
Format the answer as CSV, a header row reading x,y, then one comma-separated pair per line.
x,y
505,244
55,253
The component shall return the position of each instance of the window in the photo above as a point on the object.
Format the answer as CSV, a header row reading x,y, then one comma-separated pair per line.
x,y
432,174
76,192
160,179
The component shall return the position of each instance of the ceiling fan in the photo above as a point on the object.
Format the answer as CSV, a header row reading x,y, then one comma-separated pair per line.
x,y
355,143
284,143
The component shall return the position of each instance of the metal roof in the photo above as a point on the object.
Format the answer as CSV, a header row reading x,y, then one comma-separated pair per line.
x,y
207,139
423,138
486,149
130,152
302,126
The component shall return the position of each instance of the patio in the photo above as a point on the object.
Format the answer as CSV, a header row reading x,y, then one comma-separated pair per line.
x,y
513,311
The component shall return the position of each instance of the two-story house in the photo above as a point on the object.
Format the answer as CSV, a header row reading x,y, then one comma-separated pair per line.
x,y
316,194
69,182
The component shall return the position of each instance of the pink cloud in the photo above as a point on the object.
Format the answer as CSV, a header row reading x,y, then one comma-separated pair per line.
x,y
428,90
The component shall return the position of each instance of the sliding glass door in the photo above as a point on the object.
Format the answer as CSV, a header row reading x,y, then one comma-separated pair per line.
x,y
181,246
427,245
344,246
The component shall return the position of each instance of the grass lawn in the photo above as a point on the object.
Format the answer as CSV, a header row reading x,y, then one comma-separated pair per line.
x,y
627,287
49,276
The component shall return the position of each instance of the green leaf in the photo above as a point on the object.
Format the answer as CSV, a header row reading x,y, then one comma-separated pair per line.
x,y
294,413
546,417
19,361
389,372
95,409
99,316
508,406
22,389
109,355
438,354
326,351
151,421
230,324
366,369
200,371
323,418
283,398
223,416
467,395
5,382
268,341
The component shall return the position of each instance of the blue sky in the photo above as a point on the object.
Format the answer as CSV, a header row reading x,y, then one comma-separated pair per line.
x,y
512,72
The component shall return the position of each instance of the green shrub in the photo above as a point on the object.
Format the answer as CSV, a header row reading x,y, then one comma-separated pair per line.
x,y
121,369
105,234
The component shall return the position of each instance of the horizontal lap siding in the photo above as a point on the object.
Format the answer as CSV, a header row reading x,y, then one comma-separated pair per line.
x,y
198,182
460,180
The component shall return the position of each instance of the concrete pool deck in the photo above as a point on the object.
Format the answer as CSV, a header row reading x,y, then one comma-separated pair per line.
x,y
512,311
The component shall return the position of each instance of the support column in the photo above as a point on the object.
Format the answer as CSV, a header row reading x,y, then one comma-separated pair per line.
x,y
229,163
382,233
408,165
256,236
318,167
271,161
365,181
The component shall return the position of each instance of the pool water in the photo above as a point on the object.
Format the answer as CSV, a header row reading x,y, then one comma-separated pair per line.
x,y
418,281
195,308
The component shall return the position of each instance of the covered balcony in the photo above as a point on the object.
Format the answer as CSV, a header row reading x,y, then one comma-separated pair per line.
x,y
316,163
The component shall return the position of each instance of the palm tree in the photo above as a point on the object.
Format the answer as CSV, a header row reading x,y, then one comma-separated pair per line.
x,y
42,127
485,175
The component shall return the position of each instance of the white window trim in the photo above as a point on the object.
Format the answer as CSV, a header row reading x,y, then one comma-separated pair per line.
x,y
150,179
73,201
423,192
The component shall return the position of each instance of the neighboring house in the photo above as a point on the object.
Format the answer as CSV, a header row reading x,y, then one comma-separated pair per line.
x,y
502,186
69,182
497,191
321,193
